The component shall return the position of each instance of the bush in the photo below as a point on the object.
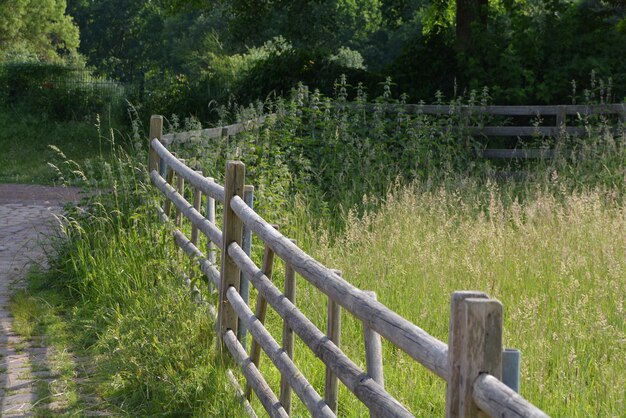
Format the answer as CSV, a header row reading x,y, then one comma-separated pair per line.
x,y
59,92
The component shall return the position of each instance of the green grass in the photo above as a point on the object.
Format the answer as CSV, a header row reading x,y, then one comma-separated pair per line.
x,y
117,292
556,262
551,250
25,141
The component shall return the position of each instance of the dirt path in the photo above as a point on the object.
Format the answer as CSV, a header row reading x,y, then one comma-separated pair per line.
x,y
27,217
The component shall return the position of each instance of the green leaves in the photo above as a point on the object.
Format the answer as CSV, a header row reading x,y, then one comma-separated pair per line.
x,y
36,30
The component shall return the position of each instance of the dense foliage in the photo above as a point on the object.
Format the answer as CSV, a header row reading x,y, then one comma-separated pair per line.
x,y
183,56
37,30
526,52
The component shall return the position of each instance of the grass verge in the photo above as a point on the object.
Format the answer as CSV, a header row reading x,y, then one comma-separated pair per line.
x,y
25,141
114,289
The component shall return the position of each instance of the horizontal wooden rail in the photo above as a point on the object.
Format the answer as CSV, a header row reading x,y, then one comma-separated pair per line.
x,y
196,218
206,186
206,266
498,400
253,375
213,133
407,336
522,153
364,387
616,108
307,393
525,130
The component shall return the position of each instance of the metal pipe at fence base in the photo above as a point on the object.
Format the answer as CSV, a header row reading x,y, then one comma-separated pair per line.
x,y
511,359
244,284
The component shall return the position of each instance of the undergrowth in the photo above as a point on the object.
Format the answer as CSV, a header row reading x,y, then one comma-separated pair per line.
x,y
115,285
404,209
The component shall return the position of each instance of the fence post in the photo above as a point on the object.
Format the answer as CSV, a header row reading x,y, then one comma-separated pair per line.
x,y
169,178
210,248
288,336
373,353
561,121
156,131
231,232
246,246
197,201
180,188
373,350
474,347
260,310
333,331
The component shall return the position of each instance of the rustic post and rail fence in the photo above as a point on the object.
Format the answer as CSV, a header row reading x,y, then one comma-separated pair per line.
x,y
471,363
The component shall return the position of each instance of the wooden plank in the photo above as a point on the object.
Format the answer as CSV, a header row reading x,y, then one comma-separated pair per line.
x,y
187,210
253,376
211,248
156,132
356,380
480,339
197,201
288,339
208,188
515,131
169,178
183,137
246,244
455,349
532,153
180,189
373,354
231,233
261,307
281,359
497,400
526,110
407,336
333,331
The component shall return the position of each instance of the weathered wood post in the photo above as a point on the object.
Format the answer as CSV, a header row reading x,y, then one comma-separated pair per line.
x,y
180,188
288,336
231,232
210,247
197,201
169,178
373,353
246,246
474,347
333,331
561,121
260,310
156,131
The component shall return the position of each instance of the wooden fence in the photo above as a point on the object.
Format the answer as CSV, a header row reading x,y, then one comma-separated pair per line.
x,y
471,362
561,114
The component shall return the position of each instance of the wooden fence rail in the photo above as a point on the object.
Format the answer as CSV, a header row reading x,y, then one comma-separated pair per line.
x,y
560,113
470,364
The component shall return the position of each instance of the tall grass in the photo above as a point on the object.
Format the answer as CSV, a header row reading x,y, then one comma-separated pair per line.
x,y
338,180
556,261
123,298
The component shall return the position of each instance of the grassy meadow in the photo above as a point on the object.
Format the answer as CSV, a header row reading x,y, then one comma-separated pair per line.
x,y
27,142
551,248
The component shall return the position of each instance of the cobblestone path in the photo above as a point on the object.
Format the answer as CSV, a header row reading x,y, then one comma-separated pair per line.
x,y
27,217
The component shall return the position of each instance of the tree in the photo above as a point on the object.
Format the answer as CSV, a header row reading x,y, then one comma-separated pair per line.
x,y
119,37
470,15
36,29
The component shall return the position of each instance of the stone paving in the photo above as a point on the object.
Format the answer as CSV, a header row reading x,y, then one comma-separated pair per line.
x,y
27,218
